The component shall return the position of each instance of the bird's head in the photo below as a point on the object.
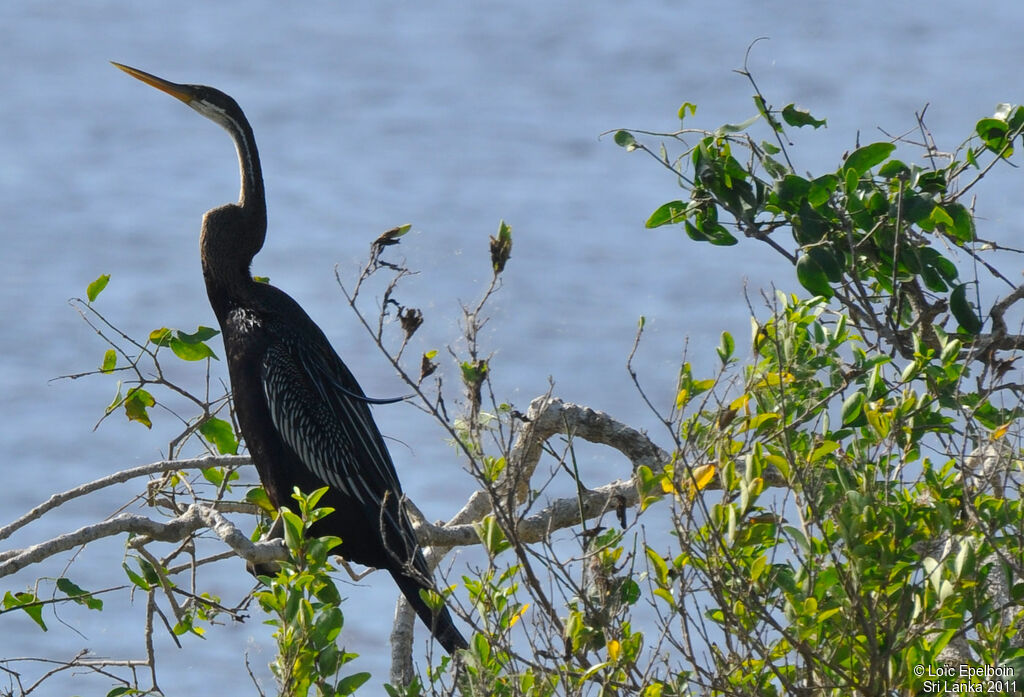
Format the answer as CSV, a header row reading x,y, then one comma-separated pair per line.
x,y
208,101
222,109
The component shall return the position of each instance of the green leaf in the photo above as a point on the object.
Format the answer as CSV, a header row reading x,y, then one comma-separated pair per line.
x,y
993,132
951,351
851,180
200,335
763,109
214,475
80,596
727,128
940,216
792,191
258,496
800,117
822,189
480,647
893,169
853,406
812,276
109,361
188,347
963,310
933,280
809,226
943,266
350,683
311,499
116,402
292,529
665,595
149,571
121,691
825,257
720,237
863,159
668,214
190,351
629,592
687,106
328,661
659,567
962,228
726,347
473,373
161,337
492,536
327,626
220,433
135,578
626,140
136,403
432,599
501,247
97,286
27,602
916,209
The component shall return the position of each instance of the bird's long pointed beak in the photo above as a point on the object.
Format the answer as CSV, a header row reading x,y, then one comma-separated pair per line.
x,y
181,92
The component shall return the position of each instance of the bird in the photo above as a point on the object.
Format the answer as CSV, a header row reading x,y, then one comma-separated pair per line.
x,y
305,420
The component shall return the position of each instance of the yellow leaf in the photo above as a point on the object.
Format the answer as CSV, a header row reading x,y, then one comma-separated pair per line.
x,y
515,617
760,420
666,480
758,567
665,595
825,614
614,649
776,379
880,421
740,402
702,476
682,398
1000,432
654,690
827,447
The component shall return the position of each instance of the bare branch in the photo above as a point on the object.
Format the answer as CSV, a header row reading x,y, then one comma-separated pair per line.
x,y
120,478
548,417
195,518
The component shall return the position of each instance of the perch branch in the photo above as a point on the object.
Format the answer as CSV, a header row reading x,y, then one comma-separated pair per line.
x,y
119,478
194,518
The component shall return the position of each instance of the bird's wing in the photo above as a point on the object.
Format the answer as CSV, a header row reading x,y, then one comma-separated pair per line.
x,y
314,404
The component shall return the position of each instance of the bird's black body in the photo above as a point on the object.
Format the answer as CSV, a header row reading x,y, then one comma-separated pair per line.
x,y
303,415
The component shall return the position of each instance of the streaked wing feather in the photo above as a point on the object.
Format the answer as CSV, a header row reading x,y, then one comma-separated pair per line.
x,y
331,429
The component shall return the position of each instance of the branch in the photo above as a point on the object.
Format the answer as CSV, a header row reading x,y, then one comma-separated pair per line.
x,y
195,518
120,478
999,339
547,417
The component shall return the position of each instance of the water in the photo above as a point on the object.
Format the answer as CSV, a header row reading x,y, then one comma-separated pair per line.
x,y
447,116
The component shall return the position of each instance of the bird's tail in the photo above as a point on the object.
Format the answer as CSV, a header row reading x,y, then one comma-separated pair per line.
x,y
439,623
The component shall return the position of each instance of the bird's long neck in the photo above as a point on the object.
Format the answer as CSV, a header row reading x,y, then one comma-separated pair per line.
x,y
234,233
251,197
